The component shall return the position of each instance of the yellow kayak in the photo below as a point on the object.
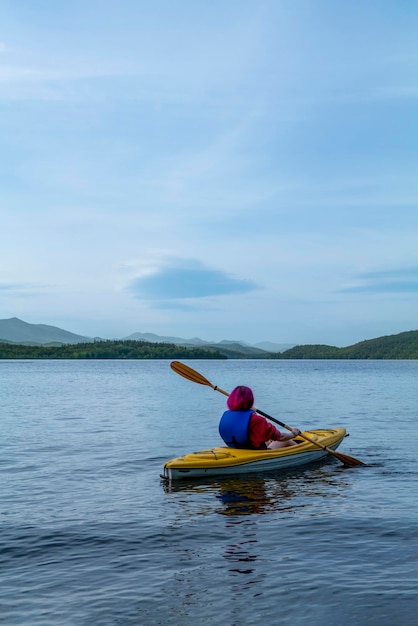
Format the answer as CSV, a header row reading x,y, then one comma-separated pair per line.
x,y
224,461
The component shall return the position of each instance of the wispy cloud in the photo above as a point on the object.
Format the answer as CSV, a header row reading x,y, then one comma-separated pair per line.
x,y
21,289
402,280
16,286
187,278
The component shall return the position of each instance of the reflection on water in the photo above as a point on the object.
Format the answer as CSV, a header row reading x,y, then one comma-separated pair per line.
x,y
244,499
289,492
243,557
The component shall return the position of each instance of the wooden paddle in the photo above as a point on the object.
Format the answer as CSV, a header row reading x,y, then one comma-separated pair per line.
x,y
195,377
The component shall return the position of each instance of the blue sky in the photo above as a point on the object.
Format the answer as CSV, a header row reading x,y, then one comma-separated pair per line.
x,y
226,169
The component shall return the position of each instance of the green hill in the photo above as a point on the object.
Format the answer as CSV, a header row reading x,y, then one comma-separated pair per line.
x,y
401,346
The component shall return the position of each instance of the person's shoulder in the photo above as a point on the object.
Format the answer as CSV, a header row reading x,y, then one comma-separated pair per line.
x,y
255,417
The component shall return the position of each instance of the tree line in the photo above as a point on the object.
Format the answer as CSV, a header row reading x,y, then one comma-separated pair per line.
x,y
401,346
126,349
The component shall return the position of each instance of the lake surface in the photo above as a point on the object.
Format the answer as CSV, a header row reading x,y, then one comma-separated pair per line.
x,y
90,534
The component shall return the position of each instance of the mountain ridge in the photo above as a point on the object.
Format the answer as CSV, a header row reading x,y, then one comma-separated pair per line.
x,y
15,330
403,345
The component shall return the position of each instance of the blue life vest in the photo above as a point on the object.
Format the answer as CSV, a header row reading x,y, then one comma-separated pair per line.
x,y
233,428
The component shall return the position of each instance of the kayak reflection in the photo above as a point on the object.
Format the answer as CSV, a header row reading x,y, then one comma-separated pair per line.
x,y
262,494
249,497
256,495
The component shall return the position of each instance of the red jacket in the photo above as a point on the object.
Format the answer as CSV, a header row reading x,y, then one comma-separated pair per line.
x,y
260,431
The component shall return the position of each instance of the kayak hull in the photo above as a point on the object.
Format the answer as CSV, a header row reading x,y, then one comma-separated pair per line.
x,y
224,461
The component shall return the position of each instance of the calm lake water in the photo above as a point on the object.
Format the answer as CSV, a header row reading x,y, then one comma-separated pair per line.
x,y
90,534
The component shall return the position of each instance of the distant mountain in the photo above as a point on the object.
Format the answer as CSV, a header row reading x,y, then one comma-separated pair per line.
x,y
16,331
266,346
230,349
161,339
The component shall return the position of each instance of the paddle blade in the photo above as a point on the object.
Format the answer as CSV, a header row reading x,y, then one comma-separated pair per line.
x,y
189,373
349,461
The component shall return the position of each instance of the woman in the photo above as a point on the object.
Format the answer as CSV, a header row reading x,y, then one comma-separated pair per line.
x,y
241,427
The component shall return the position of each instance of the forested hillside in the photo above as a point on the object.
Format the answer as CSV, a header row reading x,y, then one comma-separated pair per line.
x,y
106,350
401,346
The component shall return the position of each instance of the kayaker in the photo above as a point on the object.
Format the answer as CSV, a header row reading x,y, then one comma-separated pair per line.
x,y
241,427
